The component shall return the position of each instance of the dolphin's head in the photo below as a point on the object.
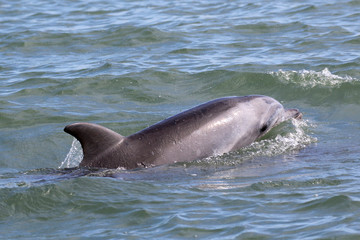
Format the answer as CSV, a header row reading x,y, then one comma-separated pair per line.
x,y
272,113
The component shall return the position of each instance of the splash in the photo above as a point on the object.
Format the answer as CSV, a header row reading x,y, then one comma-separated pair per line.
x,y
291,141
74,157
310,78
280,140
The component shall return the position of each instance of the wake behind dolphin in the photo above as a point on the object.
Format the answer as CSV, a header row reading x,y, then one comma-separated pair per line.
x,y
212,128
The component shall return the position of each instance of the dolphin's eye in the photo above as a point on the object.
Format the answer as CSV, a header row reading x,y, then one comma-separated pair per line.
x,y
263,128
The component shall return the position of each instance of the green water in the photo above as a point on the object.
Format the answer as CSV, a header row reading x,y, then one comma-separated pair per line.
x,y
126,65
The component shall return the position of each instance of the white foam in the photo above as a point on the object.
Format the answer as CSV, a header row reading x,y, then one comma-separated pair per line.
x,y
310,78
291,141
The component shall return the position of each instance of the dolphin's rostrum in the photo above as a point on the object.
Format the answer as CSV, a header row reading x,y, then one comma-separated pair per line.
x,y
213,128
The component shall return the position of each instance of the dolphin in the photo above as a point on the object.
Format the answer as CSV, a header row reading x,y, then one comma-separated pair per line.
x,y
212,128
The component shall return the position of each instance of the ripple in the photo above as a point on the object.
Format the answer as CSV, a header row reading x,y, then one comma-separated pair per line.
x,y
262,186
336,204
129,64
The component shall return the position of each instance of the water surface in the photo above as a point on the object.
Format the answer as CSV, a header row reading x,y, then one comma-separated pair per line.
x,y
126,65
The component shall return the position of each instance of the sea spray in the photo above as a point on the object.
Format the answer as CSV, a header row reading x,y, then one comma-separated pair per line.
x,y
74,156
310,78
291,141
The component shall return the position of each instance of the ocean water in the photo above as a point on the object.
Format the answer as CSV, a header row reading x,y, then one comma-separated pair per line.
x,y
128,64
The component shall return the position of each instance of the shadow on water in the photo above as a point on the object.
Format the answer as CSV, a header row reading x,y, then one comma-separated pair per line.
x,y
40,177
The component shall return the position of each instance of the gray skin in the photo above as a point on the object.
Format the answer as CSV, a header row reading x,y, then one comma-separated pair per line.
x,y
213,128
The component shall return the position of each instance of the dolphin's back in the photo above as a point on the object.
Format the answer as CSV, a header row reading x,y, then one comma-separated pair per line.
x,y
198,116
186,136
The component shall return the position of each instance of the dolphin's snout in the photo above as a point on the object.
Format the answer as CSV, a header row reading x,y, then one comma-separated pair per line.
x,y
293,113
298,115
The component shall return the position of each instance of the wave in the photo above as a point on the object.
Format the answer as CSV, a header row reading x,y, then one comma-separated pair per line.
x,y
338,203
336,95
214,82
121,36
281,184
311,79
169,92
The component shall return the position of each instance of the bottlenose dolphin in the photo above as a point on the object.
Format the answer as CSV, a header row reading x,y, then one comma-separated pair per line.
x,y
212,128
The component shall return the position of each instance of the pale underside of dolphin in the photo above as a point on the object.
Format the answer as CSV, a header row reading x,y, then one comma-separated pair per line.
x,y
212,128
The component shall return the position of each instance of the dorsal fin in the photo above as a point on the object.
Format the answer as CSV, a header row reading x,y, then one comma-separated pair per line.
x,y
94,139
